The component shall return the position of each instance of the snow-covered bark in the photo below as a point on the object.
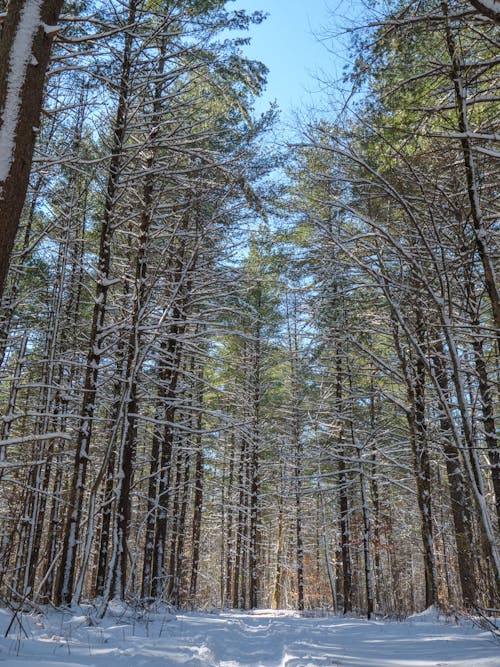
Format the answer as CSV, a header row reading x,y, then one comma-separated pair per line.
x,y
489,8
296,445
198,498
25,44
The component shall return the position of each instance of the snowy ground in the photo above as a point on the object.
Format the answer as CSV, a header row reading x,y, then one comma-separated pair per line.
x,y
259,639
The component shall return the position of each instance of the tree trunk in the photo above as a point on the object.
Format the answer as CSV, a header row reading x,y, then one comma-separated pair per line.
x,y
198,499
230,524
419,446
343,494
25,44
240,531
366,537
278,574
147,567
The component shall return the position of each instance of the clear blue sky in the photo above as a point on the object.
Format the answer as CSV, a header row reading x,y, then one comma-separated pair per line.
x,y
288,42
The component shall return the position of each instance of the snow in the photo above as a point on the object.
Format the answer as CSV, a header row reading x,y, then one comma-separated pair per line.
x,y
21,55
50,29
492,5
125,638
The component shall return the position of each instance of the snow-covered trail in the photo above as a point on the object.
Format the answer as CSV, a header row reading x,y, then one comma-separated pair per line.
x,y
263,639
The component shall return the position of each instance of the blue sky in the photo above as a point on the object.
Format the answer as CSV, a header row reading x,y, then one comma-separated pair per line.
x,y
292,42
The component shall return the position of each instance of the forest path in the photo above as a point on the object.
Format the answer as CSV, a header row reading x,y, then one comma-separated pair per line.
x,y
233,639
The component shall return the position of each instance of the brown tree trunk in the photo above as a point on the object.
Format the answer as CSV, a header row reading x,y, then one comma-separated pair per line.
x,y
240,531
147,567
345,537
254,444
230,523
418,441
104,538
198,499
26,30
278,576
343,496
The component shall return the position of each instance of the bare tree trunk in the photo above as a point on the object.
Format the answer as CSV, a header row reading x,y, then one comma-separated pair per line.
x,y
170,589
297,449
418,439
49,394
8,300
198,498
177,554
105,533
159,476
343,494
230,560
253,582
278,574
328,558
366,537
253,550
240,531
9,414
25,44
161,518
375,496
108,493
298,528
345,537
147,568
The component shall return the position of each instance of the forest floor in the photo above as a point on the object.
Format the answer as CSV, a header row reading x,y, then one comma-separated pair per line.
x,y
236,639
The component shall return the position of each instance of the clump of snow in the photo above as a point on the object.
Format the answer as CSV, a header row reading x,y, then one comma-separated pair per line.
x,y
429,615
142,636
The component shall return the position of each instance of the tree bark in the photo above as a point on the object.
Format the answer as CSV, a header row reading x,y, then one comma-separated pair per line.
x,y
345,538
486,9
25,44
198,498
460,507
